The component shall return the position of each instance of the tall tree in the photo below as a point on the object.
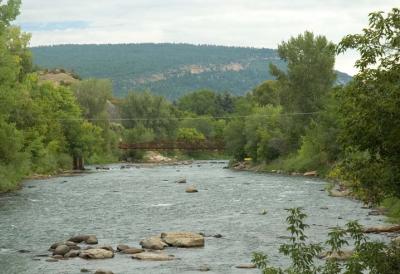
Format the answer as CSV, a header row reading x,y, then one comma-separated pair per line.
x,y
309,77
370,106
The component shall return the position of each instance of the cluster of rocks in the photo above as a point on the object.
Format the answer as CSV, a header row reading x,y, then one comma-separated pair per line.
x,y
151,247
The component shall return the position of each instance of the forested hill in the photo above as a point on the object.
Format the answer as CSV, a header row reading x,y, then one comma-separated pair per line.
x,y
170,70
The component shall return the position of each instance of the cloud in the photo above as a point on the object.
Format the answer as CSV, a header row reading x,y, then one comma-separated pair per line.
x,y
255,23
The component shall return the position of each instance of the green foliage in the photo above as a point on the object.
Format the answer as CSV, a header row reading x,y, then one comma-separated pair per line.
x,y
149,111
308,80
368,257
369,107
190,135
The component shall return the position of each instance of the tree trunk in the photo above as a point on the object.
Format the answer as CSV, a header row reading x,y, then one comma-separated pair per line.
x,y
78,163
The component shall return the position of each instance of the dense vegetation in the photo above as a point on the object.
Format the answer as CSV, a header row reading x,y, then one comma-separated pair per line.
x,y
170,70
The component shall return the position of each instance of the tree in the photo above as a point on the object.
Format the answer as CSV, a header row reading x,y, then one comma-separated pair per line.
x,y
308,79
202,102
370,109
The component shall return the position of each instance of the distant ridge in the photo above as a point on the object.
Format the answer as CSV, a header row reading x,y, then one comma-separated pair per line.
x,y
171,70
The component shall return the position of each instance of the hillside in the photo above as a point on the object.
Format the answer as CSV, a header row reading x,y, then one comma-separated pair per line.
x,y
170,70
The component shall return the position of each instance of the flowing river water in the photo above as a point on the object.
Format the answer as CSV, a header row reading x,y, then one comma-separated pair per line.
x,y
123,206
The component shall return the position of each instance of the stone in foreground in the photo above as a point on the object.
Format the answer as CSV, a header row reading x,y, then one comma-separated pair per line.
x,y
154,243
183,239
152,256
96,253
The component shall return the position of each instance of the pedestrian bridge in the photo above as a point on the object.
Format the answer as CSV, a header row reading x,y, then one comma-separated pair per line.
x,y
173,145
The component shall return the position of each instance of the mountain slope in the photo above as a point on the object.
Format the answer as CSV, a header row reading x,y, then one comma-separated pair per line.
x,y
170,70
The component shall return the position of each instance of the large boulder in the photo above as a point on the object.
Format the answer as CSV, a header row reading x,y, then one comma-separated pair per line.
x,y
96,253
154,243
61,250
183,239
152,256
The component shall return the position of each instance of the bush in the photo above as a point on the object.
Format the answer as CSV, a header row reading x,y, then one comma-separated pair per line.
x,y
368,257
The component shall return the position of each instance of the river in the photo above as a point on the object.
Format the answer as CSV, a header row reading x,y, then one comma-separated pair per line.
x,y
123,206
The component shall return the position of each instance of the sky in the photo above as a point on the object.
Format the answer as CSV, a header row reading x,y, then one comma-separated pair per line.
x,y
249,23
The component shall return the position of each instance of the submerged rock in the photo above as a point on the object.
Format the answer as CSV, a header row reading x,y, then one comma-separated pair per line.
x,y
152,256
96,253
183,239
181,181
153,243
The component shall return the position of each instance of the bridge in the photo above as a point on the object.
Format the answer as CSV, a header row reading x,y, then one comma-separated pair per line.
x,y
172,145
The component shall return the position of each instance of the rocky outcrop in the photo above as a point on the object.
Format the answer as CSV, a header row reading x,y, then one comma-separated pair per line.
x,y
183,239
152,256
96,253
154,243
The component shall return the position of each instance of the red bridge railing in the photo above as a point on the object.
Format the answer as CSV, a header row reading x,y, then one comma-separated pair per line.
x,y
172,145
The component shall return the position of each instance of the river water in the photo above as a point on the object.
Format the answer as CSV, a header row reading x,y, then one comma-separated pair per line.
x,y
123,206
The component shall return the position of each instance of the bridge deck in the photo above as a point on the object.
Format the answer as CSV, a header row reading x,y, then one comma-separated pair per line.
x,y
169,145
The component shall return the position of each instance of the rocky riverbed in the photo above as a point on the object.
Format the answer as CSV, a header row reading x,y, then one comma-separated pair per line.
x,y
235,213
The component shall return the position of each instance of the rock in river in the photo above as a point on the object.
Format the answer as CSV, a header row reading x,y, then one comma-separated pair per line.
x,y
89,239
181,181
246,266
61,250
152,256
153,243
191,189
96,253
132,250
183,239
102,271
122,247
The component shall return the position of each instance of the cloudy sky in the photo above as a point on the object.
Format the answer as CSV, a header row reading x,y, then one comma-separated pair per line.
x,y
253,23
